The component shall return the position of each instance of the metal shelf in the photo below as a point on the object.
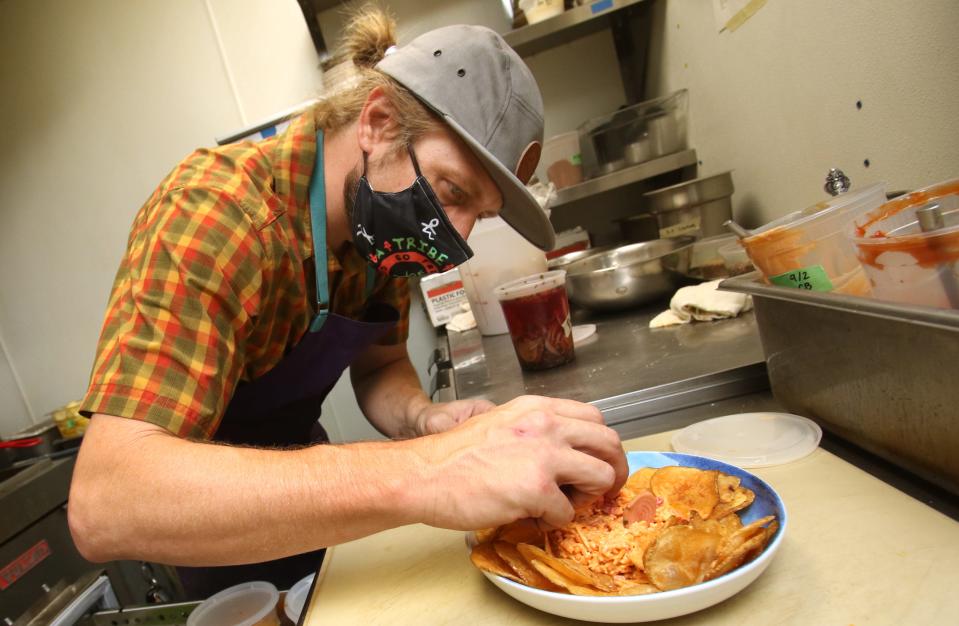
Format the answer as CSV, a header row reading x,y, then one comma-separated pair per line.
x,y
568,25
625,176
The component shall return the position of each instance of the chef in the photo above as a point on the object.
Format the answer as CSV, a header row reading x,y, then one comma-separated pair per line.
x,y
256,273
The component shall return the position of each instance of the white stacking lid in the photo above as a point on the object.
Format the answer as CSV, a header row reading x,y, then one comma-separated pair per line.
x,y
296,598
246,604
750,439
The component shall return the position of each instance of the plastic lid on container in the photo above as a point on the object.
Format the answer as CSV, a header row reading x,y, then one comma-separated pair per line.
x,y
583,332
750,439
296,598
529,285
246,604
826,208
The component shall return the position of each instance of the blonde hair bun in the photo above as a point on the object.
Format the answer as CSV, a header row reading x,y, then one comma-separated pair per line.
x,y
368,34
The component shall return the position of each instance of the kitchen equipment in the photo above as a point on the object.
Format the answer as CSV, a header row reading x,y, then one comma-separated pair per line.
x,y
536,309
909,247
665,604
563,261
625,276
634,134
501,255
810,249
750,439
868,370
698,207
561,163
637,228
702,261
246,604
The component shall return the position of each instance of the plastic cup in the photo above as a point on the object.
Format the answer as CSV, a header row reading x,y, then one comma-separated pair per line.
x,y
537,314
904,263
810,249
735,259
246,604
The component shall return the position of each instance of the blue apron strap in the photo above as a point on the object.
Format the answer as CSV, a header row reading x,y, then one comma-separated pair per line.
x,y
318,228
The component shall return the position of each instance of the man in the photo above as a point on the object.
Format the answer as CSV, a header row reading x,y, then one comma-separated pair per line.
x,y
225,325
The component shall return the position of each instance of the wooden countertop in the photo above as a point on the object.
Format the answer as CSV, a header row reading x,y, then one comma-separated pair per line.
x,y
857,551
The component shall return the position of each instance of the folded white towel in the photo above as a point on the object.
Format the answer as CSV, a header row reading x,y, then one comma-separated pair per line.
x,y
704,303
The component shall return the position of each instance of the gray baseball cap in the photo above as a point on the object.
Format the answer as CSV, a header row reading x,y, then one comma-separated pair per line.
x,y
482,89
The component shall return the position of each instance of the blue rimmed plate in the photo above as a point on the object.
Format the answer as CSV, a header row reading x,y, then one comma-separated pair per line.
x,y
666,604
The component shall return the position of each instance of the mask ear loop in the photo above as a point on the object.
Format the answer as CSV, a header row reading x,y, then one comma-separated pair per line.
x,y
416,164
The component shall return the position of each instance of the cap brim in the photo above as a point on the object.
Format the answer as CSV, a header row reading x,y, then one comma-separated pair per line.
x,y
520,209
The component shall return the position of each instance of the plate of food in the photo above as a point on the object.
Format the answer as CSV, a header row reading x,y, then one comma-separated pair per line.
x,y
684,533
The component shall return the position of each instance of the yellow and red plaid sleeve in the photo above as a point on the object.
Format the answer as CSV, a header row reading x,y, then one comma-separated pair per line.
x,y
172,345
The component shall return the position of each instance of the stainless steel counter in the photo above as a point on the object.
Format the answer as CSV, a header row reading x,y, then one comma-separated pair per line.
x,y
627,369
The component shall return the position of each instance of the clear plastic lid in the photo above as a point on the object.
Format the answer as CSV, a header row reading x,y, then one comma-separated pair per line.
x,y
750,439
529,285
246,604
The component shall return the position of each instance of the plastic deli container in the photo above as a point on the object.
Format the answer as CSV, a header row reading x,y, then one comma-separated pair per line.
x,y
537,313
810,249
562,163
539,10
634,134
500,255
246,604
908,258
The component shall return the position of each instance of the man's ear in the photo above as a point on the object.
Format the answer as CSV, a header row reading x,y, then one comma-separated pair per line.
x,y
378,127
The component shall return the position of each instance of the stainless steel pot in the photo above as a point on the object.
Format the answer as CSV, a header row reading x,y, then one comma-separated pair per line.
x,y
697,207
561,262
625,276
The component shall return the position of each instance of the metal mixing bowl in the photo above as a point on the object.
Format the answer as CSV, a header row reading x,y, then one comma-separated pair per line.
x,y
561,262
625,276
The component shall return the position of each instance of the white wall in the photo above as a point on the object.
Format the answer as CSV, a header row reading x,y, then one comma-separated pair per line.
x,y
775,100
100,99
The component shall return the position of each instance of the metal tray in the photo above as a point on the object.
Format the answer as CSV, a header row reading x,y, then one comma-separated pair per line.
x,y
879,374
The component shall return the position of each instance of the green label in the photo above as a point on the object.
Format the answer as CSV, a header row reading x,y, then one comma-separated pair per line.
x,y
813,278
576,159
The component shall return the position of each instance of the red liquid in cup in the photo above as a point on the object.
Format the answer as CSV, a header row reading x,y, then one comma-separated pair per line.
x,y
540,327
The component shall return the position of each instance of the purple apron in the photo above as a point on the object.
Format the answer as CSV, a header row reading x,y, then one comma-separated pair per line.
x,y
282,407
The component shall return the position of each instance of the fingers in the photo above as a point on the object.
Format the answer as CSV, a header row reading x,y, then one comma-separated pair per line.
x,y
601,442
573,409
557,510
585,474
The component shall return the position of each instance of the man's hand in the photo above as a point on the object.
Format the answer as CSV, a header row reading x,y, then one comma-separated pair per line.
x,y
531,457
441,417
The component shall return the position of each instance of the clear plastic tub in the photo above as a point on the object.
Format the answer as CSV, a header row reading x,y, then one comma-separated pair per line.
x,y
562,163
904,263
246,604
634,134
537,313
810,249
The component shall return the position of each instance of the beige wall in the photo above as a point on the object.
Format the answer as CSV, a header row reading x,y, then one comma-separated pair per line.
x,y
775,101
99,100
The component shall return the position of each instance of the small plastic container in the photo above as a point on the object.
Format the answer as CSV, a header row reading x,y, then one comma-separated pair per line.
x,y
810,249
246,604
904,262
296,598
539,10
634,134
536,309
562,163
500,255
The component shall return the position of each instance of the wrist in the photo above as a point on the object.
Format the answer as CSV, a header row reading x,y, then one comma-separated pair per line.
x,y
415,410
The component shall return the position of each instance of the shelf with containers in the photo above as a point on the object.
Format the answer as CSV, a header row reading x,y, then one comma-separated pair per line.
x,y
610,186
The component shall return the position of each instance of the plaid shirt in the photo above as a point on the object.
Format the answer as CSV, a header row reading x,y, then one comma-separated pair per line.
x,y
217,285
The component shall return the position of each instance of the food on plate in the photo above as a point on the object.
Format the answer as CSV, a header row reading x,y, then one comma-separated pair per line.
x,y
667,528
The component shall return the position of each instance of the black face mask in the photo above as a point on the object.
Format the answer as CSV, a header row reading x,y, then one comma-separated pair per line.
x,y
405,233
